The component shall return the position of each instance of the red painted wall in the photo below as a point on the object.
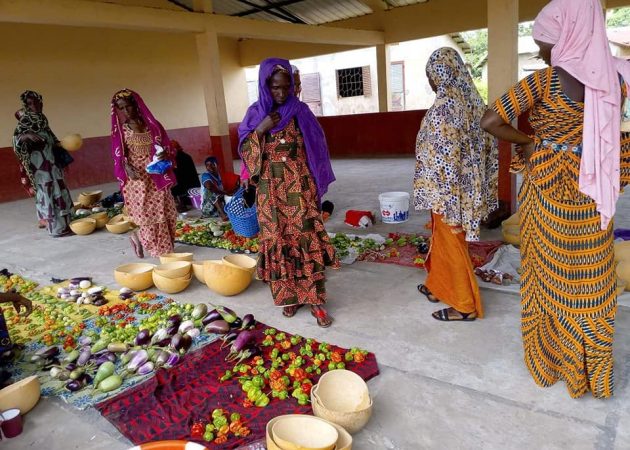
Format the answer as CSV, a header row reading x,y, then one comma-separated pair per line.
x,y
376,134
93,163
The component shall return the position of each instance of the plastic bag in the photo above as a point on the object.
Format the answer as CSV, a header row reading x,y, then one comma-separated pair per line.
x,y
156,166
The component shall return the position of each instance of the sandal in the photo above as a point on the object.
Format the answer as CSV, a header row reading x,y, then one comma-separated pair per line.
x,y
427,293
291,310
323,319
137,246
443,315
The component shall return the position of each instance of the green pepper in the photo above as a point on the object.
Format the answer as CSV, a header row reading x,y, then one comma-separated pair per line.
x,y
210,427
208,436
226,376
274,353
248,385
217,413
341,365
285,357
219,422
332,366
303,399
262,401
258,381
283,395
254,394
318,371
309,369
234,417
349,357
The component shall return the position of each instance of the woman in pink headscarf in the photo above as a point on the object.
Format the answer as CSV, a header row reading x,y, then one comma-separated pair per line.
x,y
136,137
572,177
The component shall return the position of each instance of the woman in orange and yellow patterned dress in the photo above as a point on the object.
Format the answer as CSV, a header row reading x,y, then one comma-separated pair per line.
x,y
568,287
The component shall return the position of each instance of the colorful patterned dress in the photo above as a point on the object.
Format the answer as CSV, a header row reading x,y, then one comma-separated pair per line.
x,y
294,246
151,209
568,285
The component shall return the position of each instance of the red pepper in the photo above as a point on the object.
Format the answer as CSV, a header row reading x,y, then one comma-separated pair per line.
x,y
197,430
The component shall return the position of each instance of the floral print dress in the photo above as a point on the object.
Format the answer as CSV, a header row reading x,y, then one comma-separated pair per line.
x,y
151,209
294,246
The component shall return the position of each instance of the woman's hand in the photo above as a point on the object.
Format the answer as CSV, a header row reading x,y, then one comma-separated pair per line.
x,y
268,123
244,183
21,303
31,138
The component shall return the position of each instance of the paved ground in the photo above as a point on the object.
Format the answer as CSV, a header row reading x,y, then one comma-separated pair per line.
x,y
446,386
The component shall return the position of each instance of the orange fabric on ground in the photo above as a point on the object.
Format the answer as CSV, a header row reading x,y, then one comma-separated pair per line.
x,y
450,272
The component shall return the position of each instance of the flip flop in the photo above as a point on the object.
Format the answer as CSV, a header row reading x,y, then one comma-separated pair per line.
x,y
427,293
291,310
442,315
320,314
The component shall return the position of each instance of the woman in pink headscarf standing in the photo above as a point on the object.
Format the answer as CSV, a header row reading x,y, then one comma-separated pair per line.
x,y
572,178
136,138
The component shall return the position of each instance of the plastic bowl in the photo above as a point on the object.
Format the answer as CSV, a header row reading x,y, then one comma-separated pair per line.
x,y
241,261
101,219
174,257
171,285
353,421
22,395
135,276
303,432
89,198
198,270
343,443
83,226
169,445
175,269
225,279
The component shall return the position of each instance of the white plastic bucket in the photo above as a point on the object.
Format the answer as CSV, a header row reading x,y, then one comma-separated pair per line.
x,y
394,207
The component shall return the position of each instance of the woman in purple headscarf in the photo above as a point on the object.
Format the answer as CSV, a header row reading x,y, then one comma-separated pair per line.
x,y
284,150
136,138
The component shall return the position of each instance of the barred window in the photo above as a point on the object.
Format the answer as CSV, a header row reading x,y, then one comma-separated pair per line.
x,y
354,82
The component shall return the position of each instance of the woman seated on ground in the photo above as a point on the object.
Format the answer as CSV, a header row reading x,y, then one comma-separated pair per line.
x,y
213,191
186,175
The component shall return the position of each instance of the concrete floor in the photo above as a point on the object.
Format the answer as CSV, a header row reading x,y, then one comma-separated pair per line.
x,y
446,386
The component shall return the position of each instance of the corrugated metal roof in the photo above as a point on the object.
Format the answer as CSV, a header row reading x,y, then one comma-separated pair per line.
x,y
397,3
312,12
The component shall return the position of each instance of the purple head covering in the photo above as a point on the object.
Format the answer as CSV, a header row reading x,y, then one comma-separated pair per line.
x,y
317,154
158,135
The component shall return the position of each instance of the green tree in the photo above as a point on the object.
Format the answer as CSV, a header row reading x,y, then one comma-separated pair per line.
x,y
525,28
619,17
478,41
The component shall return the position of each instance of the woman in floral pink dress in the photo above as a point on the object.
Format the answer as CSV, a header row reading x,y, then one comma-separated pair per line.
x,y
136,136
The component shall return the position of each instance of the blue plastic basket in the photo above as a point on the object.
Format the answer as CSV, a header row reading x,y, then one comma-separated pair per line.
x,y
244,220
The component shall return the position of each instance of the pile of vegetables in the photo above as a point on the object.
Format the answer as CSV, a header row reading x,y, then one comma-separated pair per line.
x,y
344,243
15,283
214,235
220,423
280,366
102,360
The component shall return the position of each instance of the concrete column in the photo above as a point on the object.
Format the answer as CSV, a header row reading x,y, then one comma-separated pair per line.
x,y
212,78
502,75
204,6
383,70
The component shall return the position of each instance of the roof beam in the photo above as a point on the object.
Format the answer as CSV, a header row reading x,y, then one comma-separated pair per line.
x,y
280,13
376,5
266,8
203,6
114,16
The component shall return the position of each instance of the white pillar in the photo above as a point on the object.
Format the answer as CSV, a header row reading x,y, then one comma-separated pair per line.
x,y
502,46
212,79
383,74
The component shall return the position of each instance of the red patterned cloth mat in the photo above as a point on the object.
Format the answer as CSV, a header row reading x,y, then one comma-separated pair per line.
x,y
165,406
480,253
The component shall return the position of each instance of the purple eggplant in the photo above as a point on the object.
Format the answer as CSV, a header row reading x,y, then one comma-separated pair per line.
x,y
237,323
244,340
228,338
146,368
108,356
100,302
159,335
248,322
171,330
48,352
179,342
127,357
70,367
218,327
138,359
74,385
143,337
211,317
161,358
163,342
85,340
174,321
172,360
193,332
84,357
185,343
